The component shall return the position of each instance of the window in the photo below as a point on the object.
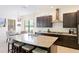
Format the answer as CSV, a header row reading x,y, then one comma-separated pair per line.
x,y
29,25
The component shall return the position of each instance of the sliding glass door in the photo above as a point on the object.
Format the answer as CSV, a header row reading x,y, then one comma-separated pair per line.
x,y
29,25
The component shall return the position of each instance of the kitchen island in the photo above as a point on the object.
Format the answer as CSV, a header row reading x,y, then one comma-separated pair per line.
x,y
38,41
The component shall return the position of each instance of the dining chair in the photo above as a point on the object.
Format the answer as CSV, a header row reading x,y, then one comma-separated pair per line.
x,y
23,32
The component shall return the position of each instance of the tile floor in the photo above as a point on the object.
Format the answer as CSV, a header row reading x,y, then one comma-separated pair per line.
x,y
3,47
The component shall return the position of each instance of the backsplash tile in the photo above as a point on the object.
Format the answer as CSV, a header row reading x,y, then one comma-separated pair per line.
x,y
57,27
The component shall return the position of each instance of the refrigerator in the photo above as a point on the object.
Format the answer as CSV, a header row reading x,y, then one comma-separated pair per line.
x,y
78,32
77,22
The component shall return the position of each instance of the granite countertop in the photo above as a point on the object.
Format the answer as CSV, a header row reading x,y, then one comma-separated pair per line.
x,y
59,33
36,40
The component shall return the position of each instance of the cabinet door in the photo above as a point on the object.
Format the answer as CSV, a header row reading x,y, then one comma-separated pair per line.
x,y
77,17
50,21
61,49
39,22
44,21
69,20
69,40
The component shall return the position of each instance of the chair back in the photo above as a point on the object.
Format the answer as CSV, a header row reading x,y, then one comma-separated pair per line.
x,y
10,37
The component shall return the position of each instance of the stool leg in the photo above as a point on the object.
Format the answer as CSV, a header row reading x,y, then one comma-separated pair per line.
x,y
12,47
17,49
8,47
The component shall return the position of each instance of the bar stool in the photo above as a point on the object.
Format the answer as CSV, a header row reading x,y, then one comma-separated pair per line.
x,y
10,47
17,47
39,50
10,42
27,48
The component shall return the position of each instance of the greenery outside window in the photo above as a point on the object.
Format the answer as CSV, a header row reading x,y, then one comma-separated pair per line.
x,y
29,24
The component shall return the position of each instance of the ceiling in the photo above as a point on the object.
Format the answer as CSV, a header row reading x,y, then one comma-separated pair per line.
x,y
28,9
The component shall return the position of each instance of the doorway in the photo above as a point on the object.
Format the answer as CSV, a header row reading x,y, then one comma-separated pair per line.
x,y
11,24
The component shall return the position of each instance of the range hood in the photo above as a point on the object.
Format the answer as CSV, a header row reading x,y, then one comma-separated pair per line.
x,y
57,16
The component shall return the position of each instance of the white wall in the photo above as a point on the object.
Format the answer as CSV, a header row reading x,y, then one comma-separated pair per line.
x,y
13,12
52,11
9,12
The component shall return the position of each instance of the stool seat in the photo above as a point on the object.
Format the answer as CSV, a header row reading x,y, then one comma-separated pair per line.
x,y
17,47
27,47
18,44
39,50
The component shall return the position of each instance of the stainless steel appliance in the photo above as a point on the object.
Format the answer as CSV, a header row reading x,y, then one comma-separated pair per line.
x,y
78,32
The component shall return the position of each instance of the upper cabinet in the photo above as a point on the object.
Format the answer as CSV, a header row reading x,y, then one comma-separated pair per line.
x,y
69,20
44,21
77,17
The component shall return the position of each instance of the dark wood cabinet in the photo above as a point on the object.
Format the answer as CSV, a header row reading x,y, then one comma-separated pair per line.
x,y
44,21
64,40
77,17
69,20
69,40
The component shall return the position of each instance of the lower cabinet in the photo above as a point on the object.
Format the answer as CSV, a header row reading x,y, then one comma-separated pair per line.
x,y
54,49
61,49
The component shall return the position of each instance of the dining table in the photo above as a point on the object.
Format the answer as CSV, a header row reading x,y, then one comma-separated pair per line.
x,y
36,40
